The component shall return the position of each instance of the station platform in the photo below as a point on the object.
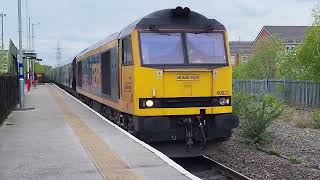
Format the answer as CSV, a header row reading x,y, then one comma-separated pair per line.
x,y
62,138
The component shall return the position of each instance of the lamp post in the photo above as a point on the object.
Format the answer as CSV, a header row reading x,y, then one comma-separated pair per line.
x,y
27,25
20,59
2,15
33,36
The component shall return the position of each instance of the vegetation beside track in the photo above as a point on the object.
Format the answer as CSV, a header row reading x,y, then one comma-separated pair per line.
x,y
256,114
315,115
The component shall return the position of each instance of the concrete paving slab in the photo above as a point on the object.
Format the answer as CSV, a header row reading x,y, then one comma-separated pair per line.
x,y
40,144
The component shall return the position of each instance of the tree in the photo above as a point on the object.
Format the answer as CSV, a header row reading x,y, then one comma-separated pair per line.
x,y
316,15
38,68
289,66
303,62
262,64
309,52
264,54
247,70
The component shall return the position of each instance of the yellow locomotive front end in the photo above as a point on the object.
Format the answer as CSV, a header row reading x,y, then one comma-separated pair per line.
x,y
173,78
181,79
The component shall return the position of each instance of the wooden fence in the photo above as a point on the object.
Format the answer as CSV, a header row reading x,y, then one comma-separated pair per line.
x,y
296,93
8,95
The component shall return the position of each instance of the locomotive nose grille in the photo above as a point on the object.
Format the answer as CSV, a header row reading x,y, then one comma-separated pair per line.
x,y
186,102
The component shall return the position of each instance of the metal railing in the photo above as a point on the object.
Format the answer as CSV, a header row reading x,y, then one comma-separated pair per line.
x,y
295,93
8,95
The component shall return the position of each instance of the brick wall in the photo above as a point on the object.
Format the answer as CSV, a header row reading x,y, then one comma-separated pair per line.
x,y
264,34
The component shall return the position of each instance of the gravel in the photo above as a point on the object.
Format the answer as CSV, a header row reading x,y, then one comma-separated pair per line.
x,y
290,140
287,140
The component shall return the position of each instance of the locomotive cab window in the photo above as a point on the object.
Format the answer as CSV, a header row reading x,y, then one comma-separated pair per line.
x,y
162,48
127,51
206,48
184,49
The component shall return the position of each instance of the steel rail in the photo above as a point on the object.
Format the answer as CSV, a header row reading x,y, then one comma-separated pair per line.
x,y
230,173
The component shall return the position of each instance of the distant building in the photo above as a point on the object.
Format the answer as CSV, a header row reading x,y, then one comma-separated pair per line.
x,y
290,35
240,51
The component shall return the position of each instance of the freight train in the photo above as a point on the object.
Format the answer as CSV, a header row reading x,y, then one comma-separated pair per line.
x,y
166,78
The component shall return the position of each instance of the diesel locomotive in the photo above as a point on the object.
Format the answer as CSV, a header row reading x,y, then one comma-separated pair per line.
x,y
166,78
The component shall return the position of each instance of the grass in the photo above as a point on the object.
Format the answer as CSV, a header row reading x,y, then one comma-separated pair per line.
x,y
301,118
294,160
271,151
315,115
286,115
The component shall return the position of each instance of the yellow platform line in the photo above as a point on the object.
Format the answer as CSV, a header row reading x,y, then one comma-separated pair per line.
x,y
107,162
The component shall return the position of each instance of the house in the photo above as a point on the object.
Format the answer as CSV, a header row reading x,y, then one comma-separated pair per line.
x,y
240,51
290,35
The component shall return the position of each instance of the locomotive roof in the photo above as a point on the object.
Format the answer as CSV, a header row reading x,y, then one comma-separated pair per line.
x,y
163,19
106,40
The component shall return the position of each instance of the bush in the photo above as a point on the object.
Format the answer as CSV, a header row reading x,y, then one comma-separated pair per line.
x,y
256,114
315,115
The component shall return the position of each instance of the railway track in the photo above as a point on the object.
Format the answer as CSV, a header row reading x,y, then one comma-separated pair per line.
x,y
209,169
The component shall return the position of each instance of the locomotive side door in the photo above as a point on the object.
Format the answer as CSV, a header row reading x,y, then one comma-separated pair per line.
x,y
114,75
126,74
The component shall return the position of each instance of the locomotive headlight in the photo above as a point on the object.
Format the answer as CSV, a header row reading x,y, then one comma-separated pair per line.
x,y
223,101
149,103
228,101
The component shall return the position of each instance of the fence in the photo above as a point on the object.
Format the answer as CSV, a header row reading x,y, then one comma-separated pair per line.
x,y
8,95
295,93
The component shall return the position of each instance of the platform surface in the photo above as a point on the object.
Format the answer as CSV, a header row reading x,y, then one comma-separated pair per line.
x,y
63,139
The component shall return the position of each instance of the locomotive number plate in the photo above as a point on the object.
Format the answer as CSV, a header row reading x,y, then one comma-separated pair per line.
x,y
188,77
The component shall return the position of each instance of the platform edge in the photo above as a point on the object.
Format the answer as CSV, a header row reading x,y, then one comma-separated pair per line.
x,y
162,156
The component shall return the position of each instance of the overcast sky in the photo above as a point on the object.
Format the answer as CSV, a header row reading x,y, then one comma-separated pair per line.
x,y
78,24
